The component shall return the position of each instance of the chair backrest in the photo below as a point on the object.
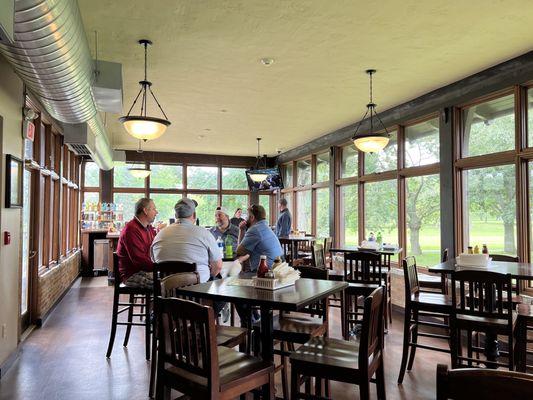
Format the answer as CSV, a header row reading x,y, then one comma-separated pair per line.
x,y
362,267
445,255
170,283
313,272
167,268
503,257
286,245
328,243
371,343
116,272
319,259
481,383
187,337
482,294
410,277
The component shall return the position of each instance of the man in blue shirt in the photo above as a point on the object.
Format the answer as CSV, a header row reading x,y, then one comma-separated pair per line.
x,y
283,226
258,240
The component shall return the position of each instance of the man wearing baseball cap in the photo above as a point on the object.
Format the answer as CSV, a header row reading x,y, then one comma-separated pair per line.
x,y
184,241
224,228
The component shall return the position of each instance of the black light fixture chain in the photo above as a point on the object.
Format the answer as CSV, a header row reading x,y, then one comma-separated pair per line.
x,y
157,102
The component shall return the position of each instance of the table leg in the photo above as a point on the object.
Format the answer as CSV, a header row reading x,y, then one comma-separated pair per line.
x,y
491,349
267,344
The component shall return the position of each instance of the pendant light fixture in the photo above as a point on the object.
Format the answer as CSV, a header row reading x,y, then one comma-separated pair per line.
x,y
256,174
140,172
371,142
142,126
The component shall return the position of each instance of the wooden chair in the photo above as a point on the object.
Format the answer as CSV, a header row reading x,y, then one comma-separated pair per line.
x,y
328,243
166,282
319,258
363,272
481,302
478,383
338,360
133,293
288,250
434,283
190,361
516,284
299,327
419,304
524,325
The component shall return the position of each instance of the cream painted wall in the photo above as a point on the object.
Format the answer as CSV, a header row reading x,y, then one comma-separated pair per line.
x,y
11,91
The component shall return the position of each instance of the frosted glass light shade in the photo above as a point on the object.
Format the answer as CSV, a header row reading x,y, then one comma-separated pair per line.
x,y
139,172
144,128
371,144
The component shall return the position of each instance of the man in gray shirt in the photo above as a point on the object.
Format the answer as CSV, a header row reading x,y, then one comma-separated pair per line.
x,y
283,226
184,241
224,228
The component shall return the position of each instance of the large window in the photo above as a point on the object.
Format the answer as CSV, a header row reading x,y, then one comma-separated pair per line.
x,y
490,210
422,143
322,167
207,204
349,160
128,201
165,202
233,201
303,173
264,200
489,127
287,175
92,175
385,160
423,219
166,176
202,177
322,213
304,210
123,178
381,210
348,215
234,178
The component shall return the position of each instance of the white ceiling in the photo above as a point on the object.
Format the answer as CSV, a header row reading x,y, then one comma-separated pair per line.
x,y
207,75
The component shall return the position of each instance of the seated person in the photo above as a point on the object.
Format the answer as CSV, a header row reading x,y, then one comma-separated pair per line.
x,y
134,264
257,239
184,241
223,228
237,217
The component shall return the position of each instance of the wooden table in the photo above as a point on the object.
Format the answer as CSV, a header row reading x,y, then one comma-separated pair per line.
x,y
351,249
292,298
518,271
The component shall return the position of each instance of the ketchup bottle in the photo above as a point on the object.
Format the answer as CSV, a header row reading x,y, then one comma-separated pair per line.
x,y
263,267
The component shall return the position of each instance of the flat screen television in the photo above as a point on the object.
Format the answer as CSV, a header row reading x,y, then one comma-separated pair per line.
x,y
271,182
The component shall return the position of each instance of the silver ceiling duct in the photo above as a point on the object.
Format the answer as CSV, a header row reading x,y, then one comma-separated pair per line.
x,y
51,55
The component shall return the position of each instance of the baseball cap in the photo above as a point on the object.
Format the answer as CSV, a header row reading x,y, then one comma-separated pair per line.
x,y
185,207
222,210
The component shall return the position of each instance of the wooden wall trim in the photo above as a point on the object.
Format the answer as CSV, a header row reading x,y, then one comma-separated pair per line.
x,y
156,157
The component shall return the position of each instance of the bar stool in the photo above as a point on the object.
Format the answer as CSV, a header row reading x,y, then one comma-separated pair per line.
x,y
418,304
133,292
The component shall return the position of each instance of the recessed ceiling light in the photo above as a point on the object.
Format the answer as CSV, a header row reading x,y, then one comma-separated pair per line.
x,y
207,129
201,137
223,110
267,61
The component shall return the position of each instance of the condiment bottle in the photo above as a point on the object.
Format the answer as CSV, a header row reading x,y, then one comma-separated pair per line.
x,y
262,269
277,261
476,249
470,250
485,249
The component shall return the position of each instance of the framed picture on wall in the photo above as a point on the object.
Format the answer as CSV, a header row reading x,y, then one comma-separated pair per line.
x,y
14,174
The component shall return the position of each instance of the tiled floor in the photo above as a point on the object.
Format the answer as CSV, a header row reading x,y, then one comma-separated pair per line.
x,y
65,359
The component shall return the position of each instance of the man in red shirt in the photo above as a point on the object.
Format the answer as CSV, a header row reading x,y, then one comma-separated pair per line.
x,y
135,265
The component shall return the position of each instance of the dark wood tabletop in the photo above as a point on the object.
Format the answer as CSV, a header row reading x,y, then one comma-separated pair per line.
x,y
299,238
291,298
349,249
518,270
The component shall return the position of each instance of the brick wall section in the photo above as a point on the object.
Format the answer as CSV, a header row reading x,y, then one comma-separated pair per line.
x,y
55,281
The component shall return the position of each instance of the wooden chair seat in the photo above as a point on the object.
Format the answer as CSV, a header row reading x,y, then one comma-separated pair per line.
x,y
334,358
230,336
234,368
297,328
426,280
133,290
434,302
485,324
